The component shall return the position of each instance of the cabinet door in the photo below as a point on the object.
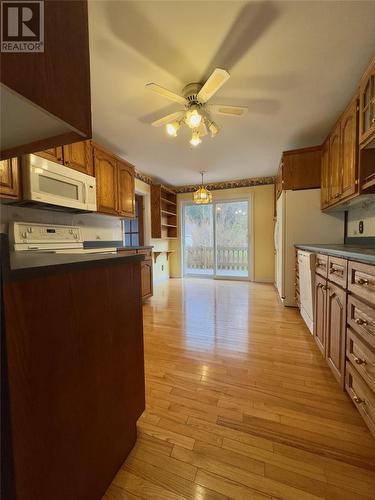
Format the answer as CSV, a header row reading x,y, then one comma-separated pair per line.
x,y
335,331
335,164
367,105
53,154
126,189
349,149
324,193
79,156
106,181
146,270
10,179
320,312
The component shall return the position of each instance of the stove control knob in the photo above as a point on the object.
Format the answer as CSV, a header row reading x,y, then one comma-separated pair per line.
x,y
29,229
23,234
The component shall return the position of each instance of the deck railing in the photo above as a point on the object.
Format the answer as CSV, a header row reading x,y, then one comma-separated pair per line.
x,y
228,258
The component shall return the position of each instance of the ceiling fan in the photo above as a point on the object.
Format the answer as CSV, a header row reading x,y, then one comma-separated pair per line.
x,y
196,113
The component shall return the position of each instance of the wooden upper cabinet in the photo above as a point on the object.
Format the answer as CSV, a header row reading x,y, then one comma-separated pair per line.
x,y
52,154
10,186
79,157
115,184
106,181
349,150
126,189
367,105
335,331
335,164
299,169
325,191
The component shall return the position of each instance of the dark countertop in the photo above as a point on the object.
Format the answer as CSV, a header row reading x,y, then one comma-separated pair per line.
x,y
21,264
352,252
113,244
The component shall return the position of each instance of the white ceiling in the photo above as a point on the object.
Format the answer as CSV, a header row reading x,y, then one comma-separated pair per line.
x,y
294,64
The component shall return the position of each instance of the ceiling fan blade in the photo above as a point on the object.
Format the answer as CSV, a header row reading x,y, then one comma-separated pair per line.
x,y
158,89
217,78
222,109
168,119
202,129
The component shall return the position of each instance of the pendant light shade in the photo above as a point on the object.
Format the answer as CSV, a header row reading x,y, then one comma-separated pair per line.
x,y
202,196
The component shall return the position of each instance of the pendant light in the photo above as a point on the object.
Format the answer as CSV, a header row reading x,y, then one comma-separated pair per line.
x,y
202,196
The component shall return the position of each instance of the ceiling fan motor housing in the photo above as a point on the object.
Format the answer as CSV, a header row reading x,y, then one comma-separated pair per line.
x,y
190,92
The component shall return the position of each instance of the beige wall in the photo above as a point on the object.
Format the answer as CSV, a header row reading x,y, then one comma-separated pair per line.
x,y
261,199
161,266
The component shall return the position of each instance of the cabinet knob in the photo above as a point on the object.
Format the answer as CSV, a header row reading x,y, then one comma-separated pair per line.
x,y
373,120
357,399
325,287
320,285
360,321
362,281
359,361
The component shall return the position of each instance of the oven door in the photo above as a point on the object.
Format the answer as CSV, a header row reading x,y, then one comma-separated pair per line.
x,y
48,182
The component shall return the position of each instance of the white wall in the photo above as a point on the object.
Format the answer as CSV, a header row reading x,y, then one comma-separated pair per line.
x,y
366,213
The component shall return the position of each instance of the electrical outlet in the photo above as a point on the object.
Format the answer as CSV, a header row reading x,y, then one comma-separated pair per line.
x,y
360,227
162,267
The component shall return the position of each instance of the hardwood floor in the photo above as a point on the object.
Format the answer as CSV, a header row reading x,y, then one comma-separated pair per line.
x,y
240,404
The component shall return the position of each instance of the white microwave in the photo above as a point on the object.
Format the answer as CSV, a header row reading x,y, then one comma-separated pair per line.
x,y
51,184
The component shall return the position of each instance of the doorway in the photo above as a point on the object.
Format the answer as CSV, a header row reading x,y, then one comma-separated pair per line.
x,y
215,239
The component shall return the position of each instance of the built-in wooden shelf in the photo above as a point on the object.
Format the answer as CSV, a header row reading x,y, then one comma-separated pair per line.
x,y
169,202
159,252
163,207
166,212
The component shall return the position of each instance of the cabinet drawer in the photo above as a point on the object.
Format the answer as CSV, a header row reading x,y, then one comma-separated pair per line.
x,y
361,357
321,265
361,281
361,318
128,252
338,271
146,253
362,396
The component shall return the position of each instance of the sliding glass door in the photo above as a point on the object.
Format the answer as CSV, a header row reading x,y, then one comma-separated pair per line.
x,y
216,239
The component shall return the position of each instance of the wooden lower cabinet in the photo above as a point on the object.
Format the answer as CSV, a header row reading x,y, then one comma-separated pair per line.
x,y
10,179
147,287
330,324
320,313
335,330
344,327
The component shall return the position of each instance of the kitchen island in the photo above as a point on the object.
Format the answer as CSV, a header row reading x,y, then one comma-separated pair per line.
x,y
72,371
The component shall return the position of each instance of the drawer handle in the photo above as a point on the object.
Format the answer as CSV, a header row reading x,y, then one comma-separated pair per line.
x,y
359,361
362,281
338,271
318,264
360,321
357,399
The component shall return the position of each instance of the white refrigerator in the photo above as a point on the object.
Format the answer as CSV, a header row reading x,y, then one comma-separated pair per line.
x,y
300,220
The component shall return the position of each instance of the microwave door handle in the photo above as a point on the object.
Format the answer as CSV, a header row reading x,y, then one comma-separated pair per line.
x,y
84,192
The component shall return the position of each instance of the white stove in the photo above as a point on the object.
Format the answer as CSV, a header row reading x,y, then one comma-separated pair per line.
x,y
50,238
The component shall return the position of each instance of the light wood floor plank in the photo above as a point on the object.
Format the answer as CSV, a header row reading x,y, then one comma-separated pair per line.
x,y
240,404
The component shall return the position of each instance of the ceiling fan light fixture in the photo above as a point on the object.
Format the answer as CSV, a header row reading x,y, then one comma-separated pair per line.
x,y
172,128
213,128
193,118
195,139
